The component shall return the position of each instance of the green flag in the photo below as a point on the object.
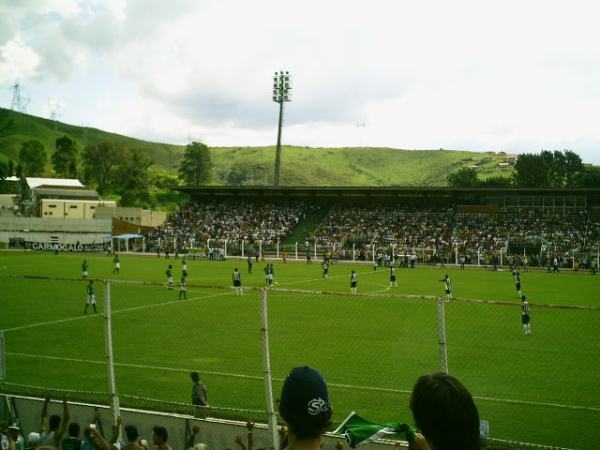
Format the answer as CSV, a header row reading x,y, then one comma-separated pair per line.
x,y
359,431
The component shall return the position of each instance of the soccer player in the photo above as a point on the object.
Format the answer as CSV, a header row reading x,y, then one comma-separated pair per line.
x,y
525,319
84,269
250,262
353,282
117,263
91,297
393,277
184,267
517,277
266,271
169,274
236,277
182,288
447,287
271,274
325,265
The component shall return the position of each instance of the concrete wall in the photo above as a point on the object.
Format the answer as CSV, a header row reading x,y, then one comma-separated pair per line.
x,y
216,434
72,209
68,231
137,216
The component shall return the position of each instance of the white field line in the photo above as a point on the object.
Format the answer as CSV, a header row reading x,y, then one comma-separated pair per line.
x,y
336,385
118,311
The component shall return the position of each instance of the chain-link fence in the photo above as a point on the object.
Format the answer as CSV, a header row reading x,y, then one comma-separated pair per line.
x,y
539,389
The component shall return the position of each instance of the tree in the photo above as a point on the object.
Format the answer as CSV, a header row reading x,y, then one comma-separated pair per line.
x,y
100,161
3,170
196,166
574,170
133,179
531,170
235,177
591,177
64,159
33,157
496,182
465,177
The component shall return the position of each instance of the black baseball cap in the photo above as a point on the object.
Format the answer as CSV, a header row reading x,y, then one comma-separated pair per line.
x,y
304,393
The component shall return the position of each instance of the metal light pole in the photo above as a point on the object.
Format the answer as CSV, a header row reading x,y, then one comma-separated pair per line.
x,y
281,93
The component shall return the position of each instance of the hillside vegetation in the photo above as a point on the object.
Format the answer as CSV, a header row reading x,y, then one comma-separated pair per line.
x,y
301,166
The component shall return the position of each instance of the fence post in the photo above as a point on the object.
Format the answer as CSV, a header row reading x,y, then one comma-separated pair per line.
x,y
112,385
243,248
315,258
278,249
353,252
296,249
441,321
270,402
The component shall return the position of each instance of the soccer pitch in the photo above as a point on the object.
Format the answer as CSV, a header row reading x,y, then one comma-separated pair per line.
x,y
371,347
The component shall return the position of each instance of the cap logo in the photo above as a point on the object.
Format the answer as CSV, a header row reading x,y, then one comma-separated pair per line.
x,y
316,406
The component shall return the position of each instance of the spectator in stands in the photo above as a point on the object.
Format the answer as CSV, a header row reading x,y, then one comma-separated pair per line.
x,y
11,436
53,429
160,437
192,438
305,408
132,436
445,414
250,442
72,442
33,439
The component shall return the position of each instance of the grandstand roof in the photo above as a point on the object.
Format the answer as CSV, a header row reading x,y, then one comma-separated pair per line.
x,y
340,192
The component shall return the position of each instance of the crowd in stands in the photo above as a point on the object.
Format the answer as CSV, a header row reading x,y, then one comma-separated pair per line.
x,y
351,232
233,220
443,410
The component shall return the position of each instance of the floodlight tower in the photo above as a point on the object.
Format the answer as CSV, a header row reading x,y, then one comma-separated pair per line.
x,y
281,93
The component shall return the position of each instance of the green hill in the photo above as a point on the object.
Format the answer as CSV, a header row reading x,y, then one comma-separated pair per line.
x,y
299,165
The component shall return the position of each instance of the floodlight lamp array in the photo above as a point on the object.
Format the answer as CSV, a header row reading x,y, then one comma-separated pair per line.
x,y
282,87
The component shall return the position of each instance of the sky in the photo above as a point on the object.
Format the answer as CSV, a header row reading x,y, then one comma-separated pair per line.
x,y
514,76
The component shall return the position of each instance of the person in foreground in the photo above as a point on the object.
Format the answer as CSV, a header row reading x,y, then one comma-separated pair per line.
x,y
445,414
305,408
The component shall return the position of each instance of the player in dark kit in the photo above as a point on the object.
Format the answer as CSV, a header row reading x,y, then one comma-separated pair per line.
x,y
393,277
353,282
117,263
169,274
517,277
236,277
325,266
182,288
525,319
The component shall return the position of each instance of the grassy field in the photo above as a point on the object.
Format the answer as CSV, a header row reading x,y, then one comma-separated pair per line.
x,y
371,347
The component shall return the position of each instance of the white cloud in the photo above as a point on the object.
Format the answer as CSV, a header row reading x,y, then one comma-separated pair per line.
x,y
516,76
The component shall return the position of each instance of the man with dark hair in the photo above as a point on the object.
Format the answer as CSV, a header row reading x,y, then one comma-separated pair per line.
x,y
160,438
445,414
53,429
72,442
199,395
305,408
